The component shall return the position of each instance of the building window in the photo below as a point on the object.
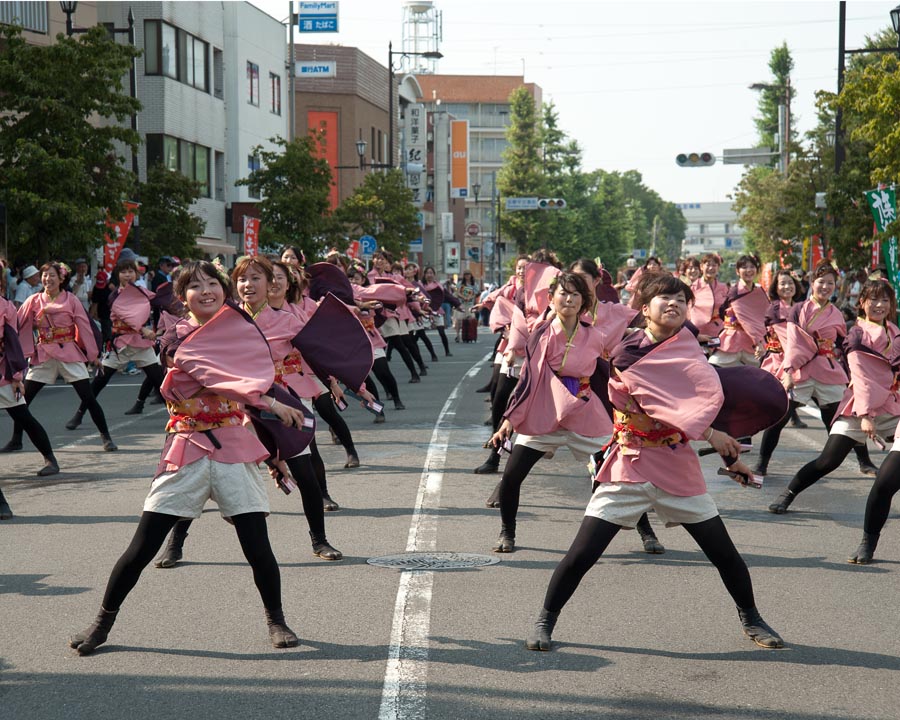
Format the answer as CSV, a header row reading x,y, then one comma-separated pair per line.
x,y
218,74
275,91
253,83
220,175
253,164
31,16
188,158
176,54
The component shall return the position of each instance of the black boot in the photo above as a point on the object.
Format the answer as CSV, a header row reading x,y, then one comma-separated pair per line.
x,y
108,444
434,358
652,544
506,542
398,405
380,418
322,549
540,636
758,630
866,466
352,459
329,505
491,465
780,506
866,549
86,642
136,409
415,378
494,500
51,467
762,466
173,552
75,421
796,421
6,512
279,633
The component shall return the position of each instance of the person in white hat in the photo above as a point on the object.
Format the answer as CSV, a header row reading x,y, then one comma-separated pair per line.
x,y
30,285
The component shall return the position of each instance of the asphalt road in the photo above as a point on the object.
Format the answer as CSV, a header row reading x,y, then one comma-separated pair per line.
x,y
644,636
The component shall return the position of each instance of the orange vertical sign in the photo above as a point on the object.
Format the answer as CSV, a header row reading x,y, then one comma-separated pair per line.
x,y
325,126
459,158
251,236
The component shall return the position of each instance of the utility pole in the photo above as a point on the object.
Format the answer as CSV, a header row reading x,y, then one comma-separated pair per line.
x,y
292,69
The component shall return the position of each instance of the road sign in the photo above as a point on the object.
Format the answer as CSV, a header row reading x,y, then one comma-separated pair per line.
x,y
317,17
367,246
473,229
748,156
315,68
523,203
416,246
353,249
474,253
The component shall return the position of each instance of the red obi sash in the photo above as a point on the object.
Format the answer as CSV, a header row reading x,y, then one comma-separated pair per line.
x,y
56,334
773,343
731,322
825,347
290,365
638,429
579,387
120,327
202,413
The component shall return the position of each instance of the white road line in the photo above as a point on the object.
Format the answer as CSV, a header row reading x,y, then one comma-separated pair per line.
x,y
406,675
113,428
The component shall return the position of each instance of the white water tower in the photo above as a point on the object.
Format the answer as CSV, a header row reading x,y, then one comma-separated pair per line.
x,y
422,32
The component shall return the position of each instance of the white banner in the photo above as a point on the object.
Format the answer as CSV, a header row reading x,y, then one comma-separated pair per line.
x,y
416,152
446,226
451,258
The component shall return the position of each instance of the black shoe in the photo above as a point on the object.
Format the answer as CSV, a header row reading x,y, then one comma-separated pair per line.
x,y
329,505
799,424
174,550
352,461
379,418
780,506
489,466
75,421
6,512
540,637
866,550
652,545
108,444
279,633
136,409
485,389
157,399
11,446
762,466
423,371
448,354
867,468
494,500
51,467
86,642
399,405
506,542
334,437
415,379
434,358
321,548
758,630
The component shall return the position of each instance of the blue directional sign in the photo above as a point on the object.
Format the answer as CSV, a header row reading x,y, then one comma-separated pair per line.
x,y
316,17
521,203
367,246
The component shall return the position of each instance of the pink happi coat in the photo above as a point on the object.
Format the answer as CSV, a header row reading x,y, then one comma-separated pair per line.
x,y
65,311
810,330
227,356
538,277
132,307
613,318
872,354
279,328
541,403
704,312
384,293
745,315
675,385
776,336
11,368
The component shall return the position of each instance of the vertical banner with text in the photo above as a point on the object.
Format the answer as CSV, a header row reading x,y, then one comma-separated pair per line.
x,y
251,236
459,159
116,234
883,205
451,258
416,152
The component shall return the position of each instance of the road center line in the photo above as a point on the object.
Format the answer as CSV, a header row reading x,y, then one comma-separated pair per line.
x,y
405,678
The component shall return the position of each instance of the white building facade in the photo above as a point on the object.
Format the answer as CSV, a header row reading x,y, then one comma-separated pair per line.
x,y
711,227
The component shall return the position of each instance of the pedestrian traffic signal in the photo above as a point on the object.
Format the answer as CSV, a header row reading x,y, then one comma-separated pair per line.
x,y
695,159
551,204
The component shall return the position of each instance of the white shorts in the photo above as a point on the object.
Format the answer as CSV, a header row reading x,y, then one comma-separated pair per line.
x,y
8,397
119,358
50,369
623,503
733,359
437,321
850,425
378,353
824,394
581,446
237,488
514,370
392,327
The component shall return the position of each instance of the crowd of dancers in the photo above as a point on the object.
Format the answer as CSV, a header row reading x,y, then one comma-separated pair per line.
x,y
248,360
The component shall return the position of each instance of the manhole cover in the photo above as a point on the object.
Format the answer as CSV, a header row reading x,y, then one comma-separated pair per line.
x,y
433,561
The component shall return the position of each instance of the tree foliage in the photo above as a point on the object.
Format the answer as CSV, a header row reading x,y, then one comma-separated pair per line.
x,y
295,183
62,113
382,207
168,227
778,89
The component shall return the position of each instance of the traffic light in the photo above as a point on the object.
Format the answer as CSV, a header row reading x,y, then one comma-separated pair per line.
x,y
695,159
551,204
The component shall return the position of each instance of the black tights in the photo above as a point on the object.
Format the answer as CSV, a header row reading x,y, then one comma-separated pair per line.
x,y
325,406
420,335
395,342
301,468
152,381
151,533
595,534
887,483
318,467
500,398
410,341
444,341
83,388
23,418
520,462
382,370
837,447
773,434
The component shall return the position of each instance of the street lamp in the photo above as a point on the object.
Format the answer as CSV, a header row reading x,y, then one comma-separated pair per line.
x,y
361,152
842,51
430,55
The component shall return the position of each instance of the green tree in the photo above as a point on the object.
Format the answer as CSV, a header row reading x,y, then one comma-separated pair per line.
x,y
60,171
382,207
295,183
562,178
608,229
521,174
777,89
168,227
